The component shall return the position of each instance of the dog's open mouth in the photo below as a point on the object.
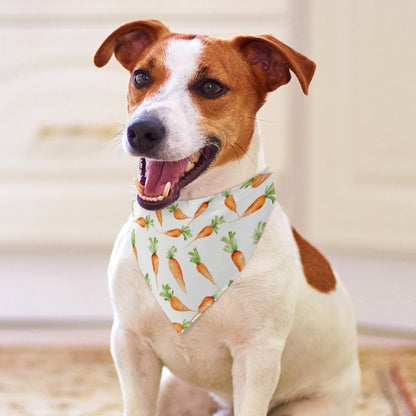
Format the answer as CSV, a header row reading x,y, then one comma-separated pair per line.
x,y
160,181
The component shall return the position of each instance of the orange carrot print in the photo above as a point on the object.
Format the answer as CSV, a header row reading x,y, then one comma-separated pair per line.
x,y
200,210
230,201
167,293
177,212
175,268
200,267
154,258
231,247
204,305
141,221
184,231
181,327
133,243
159,217
259,179
260,201
256,180
209,229
144,222
178,327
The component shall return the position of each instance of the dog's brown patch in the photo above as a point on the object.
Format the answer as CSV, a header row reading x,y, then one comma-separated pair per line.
x,y
230,117
154,62
317,270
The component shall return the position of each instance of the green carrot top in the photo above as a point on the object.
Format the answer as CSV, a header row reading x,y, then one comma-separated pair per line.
x,y
186,324
149,222
167,292
258,231
186,232
172,207
270,193
153,245
171,253
247,183
195,257
147,279
230,242
216,222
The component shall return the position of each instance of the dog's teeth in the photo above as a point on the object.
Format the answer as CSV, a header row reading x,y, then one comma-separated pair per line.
x,y
140,189
166,190
148,198
194,158
189,166
138,185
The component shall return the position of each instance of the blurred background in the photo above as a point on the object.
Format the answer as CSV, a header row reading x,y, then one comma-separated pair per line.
x,y
345,156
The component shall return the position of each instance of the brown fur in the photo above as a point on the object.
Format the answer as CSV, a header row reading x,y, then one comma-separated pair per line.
x,y
241,102
317,270
153,62
272,59
129,41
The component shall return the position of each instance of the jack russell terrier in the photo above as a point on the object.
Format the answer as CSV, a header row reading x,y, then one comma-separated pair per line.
x,y
208,278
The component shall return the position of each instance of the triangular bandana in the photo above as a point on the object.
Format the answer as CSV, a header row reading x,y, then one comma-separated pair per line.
x,y
192,251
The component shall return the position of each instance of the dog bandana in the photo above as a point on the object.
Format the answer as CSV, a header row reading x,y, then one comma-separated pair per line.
x,y
192,251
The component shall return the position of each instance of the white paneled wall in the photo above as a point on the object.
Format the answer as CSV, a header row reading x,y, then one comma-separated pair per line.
x,y
362,154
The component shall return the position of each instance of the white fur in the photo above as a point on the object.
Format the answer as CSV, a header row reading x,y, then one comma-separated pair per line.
x,y
172,104
271,339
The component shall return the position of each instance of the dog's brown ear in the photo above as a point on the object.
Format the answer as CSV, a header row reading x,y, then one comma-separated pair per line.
x,y
129,41
272,61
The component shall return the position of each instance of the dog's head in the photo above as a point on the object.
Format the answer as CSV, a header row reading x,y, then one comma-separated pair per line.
x,y
192,99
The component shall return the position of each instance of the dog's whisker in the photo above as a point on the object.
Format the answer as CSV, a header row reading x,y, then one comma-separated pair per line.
x,y
116,141
261,120
244,151
236,154
117,136
235,151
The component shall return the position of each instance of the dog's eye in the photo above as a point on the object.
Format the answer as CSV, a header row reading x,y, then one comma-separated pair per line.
x,y
141,78
210,88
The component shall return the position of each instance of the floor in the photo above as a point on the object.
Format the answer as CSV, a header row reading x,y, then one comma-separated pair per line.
x,y
69,372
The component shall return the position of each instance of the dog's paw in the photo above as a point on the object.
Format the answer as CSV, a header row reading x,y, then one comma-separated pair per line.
x,y
178,398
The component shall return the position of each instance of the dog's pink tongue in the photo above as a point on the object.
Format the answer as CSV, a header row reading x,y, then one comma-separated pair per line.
x,y
159,173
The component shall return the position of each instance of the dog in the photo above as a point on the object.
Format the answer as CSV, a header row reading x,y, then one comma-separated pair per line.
x,y
282,339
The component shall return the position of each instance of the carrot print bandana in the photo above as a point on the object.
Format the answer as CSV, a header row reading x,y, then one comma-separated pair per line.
x,y
192,251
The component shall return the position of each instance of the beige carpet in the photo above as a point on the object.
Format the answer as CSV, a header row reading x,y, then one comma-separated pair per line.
x,y
78,381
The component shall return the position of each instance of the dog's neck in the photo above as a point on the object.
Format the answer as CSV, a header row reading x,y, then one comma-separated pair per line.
x,y
221,178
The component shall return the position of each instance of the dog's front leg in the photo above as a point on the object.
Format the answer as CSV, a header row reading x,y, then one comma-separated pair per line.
x,y
256,371
139,370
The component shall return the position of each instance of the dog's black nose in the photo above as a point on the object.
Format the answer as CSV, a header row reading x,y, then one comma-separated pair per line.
x,y
143,134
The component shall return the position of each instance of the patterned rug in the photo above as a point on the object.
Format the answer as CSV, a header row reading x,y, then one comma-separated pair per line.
x,y
74,381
